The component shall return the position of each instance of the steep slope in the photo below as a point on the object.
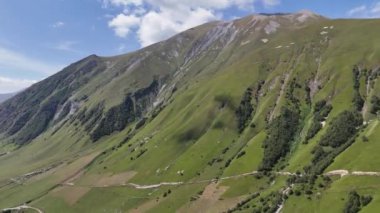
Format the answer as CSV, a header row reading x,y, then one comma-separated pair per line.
x,y
255,114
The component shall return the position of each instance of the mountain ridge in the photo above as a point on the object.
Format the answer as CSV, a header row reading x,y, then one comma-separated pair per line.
x,y
287,100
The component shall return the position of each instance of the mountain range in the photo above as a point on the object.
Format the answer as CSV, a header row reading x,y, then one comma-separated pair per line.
x,y
266,113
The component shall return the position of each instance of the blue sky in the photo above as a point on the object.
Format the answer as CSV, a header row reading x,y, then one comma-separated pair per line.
x,y
39,37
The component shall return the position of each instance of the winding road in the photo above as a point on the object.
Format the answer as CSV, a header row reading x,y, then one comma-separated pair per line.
x,y
340,173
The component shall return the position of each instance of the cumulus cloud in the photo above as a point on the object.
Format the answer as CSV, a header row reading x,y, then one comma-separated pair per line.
x,y
157,26
365,11
156,20
10,85
122,24
12,60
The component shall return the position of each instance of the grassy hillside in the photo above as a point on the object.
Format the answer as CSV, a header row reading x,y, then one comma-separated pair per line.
x,y
264,113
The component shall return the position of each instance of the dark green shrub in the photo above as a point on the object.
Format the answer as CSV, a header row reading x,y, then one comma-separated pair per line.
x,y
353,203
343,127
280,132
375,101
244,111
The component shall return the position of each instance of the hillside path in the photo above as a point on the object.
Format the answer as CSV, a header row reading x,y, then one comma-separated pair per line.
x,y
157,185
19,208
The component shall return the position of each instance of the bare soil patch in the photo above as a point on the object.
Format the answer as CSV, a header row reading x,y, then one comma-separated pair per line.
x,y
70,195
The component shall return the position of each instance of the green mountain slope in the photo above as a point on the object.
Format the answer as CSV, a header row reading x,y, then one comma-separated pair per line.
x,y
262,114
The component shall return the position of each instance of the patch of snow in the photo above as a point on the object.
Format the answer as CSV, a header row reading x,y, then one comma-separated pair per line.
x,y
324,32
331,27
292,43
265,40
278,47
326,27
271,27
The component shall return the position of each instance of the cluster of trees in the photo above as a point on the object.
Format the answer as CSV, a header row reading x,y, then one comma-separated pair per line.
x,y
293,85
375,101
242,204
321,111
337,138
281,132
341,129
244,111
268,204
357,100
356,202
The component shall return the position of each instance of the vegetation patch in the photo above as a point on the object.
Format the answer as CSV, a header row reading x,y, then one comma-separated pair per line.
x,y
375,101
281,132
339,136
356,202
245,110
357,100
321,111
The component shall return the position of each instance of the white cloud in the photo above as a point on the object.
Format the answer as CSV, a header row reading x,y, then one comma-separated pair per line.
x,y
156,20
365,11
10,85
122,24
12,60
157,26
58,24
